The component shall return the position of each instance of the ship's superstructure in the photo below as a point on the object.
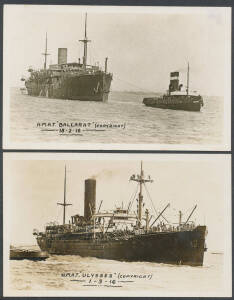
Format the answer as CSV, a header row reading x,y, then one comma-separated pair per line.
x,y
123,234
176,97
71,81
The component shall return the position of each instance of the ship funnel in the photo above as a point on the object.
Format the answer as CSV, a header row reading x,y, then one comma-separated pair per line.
x,y
62,56
89,198
174,82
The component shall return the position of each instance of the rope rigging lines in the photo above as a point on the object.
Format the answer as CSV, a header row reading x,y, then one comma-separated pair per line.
x,y
148,194
133,197
133,85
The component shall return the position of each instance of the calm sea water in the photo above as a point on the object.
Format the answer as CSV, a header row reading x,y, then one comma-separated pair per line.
x,y
142,124
49,275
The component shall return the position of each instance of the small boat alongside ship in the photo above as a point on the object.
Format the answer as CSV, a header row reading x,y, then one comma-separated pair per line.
x,y
23,90
123,234
177,98
20,254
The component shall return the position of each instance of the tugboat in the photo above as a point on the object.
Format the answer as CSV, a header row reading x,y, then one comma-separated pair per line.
x,y
122,234
20,254
70,81
176,98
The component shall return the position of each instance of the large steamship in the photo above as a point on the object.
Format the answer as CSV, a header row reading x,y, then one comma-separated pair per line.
x,y
74,81
177,97
122,234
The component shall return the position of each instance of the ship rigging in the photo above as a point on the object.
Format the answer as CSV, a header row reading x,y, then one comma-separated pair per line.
x,y
139,237
126,214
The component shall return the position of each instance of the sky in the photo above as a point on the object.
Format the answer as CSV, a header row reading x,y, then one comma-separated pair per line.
x,y
33,185
143,44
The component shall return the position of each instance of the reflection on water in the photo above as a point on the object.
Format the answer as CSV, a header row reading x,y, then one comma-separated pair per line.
x,y
143,124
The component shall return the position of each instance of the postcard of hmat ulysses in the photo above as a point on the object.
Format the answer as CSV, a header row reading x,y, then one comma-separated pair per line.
x,y
98,77
117,225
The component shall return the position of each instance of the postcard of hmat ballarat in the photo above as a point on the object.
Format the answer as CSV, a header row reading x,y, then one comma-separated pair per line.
x,y
98,77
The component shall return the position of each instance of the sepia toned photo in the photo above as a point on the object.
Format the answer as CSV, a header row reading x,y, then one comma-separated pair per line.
x,y
117,225
122,78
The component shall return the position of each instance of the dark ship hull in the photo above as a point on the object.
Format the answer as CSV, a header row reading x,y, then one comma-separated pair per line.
x,y
175,247
189,103
85,87
18,254
176,98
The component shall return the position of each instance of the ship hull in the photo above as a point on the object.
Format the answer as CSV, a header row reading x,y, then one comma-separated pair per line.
x,y
86,87
177,103
182,247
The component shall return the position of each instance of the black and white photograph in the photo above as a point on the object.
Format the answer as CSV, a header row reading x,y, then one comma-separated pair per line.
x,y
116,78
117,224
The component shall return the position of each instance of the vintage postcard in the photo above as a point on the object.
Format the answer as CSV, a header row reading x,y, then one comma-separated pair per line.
x,y
117,225
122,78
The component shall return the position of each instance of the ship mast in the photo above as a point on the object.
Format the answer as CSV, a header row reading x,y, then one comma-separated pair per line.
x,y
46,53
64,204
188,80
141,180
85,41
